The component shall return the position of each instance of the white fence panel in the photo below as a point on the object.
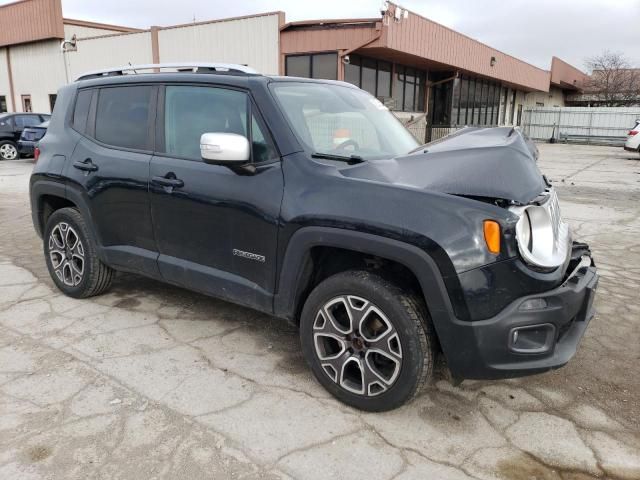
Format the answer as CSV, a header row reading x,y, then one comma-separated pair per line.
x,y
580,124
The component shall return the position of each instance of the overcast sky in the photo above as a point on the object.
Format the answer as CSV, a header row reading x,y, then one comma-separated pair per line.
x,y
532,30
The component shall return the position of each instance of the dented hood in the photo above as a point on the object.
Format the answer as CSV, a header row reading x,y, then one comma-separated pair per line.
x,y
479,162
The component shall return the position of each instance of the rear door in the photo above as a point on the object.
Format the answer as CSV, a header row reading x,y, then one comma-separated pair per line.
x,y
109,170
216,228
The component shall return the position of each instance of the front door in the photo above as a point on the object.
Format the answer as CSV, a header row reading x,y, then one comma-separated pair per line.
x,y
215,228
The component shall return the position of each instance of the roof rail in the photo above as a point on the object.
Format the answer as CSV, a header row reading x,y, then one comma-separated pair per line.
x,y
181,67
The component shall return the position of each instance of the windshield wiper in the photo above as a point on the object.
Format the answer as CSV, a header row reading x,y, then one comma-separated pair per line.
x,y
351,159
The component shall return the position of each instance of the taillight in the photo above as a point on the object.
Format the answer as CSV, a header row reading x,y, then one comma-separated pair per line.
x,y
36,153
632,132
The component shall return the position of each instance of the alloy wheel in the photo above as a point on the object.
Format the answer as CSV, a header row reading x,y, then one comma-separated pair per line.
x,y
357,345
66,253
8,151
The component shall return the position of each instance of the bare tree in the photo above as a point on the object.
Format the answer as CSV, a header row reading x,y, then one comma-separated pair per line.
x,y
613,82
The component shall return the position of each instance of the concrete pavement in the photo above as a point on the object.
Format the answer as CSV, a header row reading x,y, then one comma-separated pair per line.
x,y
152,381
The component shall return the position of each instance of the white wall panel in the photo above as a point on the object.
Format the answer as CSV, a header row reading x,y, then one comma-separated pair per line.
x,y
107,52
253,41
84,32
553,98
4,78
38,70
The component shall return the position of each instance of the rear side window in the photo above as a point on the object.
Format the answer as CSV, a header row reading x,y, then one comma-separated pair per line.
x,y
81,111
23,121
122,117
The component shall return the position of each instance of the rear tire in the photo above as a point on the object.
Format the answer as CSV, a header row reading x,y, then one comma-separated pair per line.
x,y
367,341
8,150
71,256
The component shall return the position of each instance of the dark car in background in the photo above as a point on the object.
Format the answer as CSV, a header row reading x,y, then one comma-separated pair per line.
x,y
30,138
11,128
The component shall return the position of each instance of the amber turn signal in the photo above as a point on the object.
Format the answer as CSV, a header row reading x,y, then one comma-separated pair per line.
x,y
492,235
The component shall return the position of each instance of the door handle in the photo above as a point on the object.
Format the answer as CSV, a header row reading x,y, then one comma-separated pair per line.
x,y
168,180
86,166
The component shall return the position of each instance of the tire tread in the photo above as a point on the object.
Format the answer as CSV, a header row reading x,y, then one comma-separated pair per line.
x,y
100,275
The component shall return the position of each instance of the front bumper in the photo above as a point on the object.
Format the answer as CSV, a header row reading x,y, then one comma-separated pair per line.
x,y
631,149
489,349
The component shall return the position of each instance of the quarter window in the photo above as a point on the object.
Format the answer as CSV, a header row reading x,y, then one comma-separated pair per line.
x,y
81,110
122,117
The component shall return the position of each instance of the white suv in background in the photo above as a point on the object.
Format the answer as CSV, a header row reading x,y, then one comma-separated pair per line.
x,y
633,138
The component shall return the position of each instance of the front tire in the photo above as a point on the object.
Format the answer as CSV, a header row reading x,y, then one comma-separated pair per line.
x,y
8,150
71,256
367,341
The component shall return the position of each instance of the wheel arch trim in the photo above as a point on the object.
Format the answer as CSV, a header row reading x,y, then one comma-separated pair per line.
x,y
47,187
420,263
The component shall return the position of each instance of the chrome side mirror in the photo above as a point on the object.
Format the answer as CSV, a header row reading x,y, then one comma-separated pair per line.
x,y
224,148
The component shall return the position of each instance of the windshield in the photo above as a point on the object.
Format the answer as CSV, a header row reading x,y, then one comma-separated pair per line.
x,y
343,121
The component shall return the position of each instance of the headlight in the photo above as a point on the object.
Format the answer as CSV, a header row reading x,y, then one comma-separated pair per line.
x,y
543,238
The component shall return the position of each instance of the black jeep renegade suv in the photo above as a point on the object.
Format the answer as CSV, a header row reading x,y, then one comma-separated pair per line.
x,y
309,201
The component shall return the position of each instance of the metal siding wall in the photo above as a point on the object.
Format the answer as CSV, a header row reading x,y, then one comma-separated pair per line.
x,y
581,121
110,51
29,21
253,41
4,78
38,70
554,98
420,36
310,40
84,32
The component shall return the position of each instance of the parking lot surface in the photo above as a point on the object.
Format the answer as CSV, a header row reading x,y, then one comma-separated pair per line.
x,y
152,381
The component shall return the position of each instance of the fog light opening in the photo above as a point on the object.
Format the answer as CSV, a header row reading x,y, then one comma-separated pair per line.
x,y
532,338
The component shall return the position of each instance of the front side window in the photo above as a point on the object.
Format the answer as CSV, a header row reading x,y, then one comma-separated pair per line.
x,y
122,117
190,111
339,120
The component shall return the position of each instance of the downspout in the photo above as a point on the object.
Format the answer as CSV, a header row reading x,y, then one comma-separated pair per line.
x,y
63,48
12,93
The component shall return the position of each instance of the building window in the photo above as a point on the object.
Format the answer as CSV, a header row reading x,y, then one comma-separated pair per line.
x,y
317,65
371,75
52,100
406,90
464,99
539,104
26,103
474,102
3,104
